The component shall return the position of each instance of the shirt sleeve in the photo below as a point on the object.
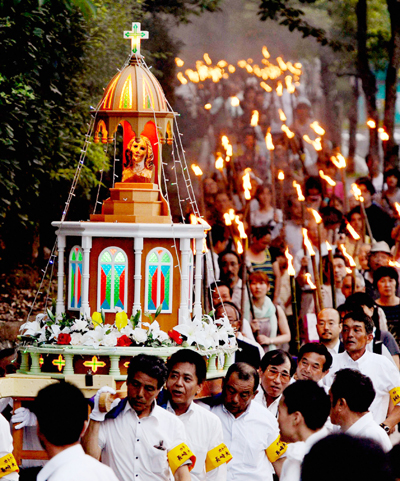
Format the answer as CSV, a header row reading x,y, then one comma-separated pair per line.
x,y
217,438
391,376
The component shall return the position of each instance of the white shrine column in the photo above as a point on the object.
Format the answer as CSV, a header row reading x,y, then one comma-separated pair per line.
x,y
185,294
197,311
86,246
60,306
138,249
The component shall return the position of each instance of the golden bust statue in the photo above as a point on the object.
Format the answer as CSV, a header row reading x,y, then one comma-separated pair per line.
x,y
138,162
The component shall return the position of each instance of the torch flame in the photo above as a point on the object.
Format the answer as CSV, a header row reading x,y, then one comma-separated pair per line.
x,y
266,87
254,118
357,192
219,163
279,89
268,141
352,231
247,184
394,264
235,102
196,169
383,135
205,248
371,124
241,230
339,161
348,270
348,256
265,52
198,220
232,214
282,115
309,281
328,246
289,257
179,62
208,106
397,206
327,178
307,242
227,219
317,128
300,195
239,247
317,217
207,59
287,131
281,175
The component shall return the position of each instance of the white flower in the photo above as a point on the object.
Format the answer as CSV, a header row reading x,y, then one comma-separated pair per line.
x,y
66,330
190,331
55,331
162,336
139,335
79,325
109,340
32,328
40,317
127,331
76,339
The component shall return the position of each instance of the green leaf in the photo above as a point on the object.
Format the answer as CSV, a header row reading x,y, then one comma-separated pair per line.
x,y
158,311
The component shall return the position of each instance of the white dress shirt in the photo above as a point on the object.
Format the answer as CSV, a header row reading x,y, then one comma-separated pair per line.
x,y
247,438
204,433
383,374
6,446
366,427
291,468
136,448
74,464
273,407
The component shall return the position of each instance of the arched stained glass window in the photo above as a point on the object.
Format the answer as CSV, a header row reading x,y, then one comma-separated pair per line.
x,y
158,289
112,280
75,278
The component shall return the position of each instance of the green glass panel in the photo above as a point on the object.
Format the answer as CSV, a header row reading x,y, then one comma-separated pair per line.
x,y
73,254
120,257
108,288
116,287
153,258
106,257
166,258
80,257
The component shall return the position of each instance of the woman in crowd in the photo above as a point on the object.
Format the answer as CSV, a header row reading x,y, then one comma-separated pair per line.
x,y
386,280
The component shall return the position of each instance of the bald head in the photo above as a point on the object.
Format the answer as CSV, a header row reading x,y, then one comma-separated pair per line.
x,y
329,327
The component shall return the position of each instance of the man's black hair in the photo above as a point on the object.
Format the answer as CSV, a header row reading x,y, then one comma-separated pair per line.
x,y
318,348
191,357
313,182
245,372
359,299
366,181
219,284
331,216
360,316
310,400
386,271
260,232
231,304
355,210
355,388
277,357
355,459
393,173
61,410
225,253
153,366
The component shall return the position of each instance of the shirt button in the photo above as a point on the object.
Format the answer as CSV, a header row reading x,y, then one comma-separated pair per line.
x,y
137,439
137,457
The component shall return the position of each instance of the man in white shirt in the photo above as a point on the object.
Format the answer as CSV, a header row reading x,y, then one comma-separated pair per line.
x,y
329,327
314,362
385,377
276,370
186,373
351,396
250,431
61,411
303,411
140,440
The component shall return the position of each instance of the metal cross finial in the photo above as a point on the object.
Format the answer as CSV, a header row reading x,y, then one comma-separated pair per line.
x,y
136,35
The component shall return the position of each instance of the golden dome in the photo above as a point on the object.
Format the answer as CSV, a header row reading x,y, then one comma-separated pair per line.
x,y
134,89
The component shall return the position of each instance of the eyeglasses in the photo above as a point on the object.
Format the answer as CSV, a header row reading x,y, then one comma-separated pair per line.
x,y
274,373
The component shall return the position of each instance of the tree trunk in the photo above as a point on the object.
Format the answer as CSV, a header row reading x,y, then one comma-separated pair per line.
x,y
353,120
367,77
391,79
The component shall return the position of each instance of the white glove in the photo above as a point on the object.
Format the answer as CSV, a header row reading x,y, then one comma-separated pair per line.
x,y
24,417
96,415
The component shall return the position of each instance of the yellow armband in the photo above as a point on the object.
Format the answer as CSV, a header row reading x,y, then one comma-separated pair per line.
x,y
179,455
8,465
395,395
217,456
276,449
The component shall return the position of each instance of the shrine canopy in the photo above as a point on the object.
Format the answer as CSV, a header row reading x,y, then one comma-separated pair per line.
x,y
134,99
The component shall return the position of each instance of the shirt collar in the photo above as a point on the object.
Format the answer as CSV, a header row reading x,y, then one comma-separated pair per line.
x,y
361,359
359,424
153,412
188,413
241,416
67,456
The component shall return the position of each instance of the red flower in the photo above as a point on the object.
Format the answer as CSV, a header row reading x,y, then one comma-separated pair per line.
x,y
124,341
63,338
175,336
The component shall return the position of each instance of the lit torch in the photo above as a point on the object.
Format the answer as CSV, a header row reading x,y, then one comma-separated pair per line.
x,y
197,171
311,252
287,131
247,184
331,273
340,162
352,267
317,128
254,118
292,274
271,147
318,220
371,124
